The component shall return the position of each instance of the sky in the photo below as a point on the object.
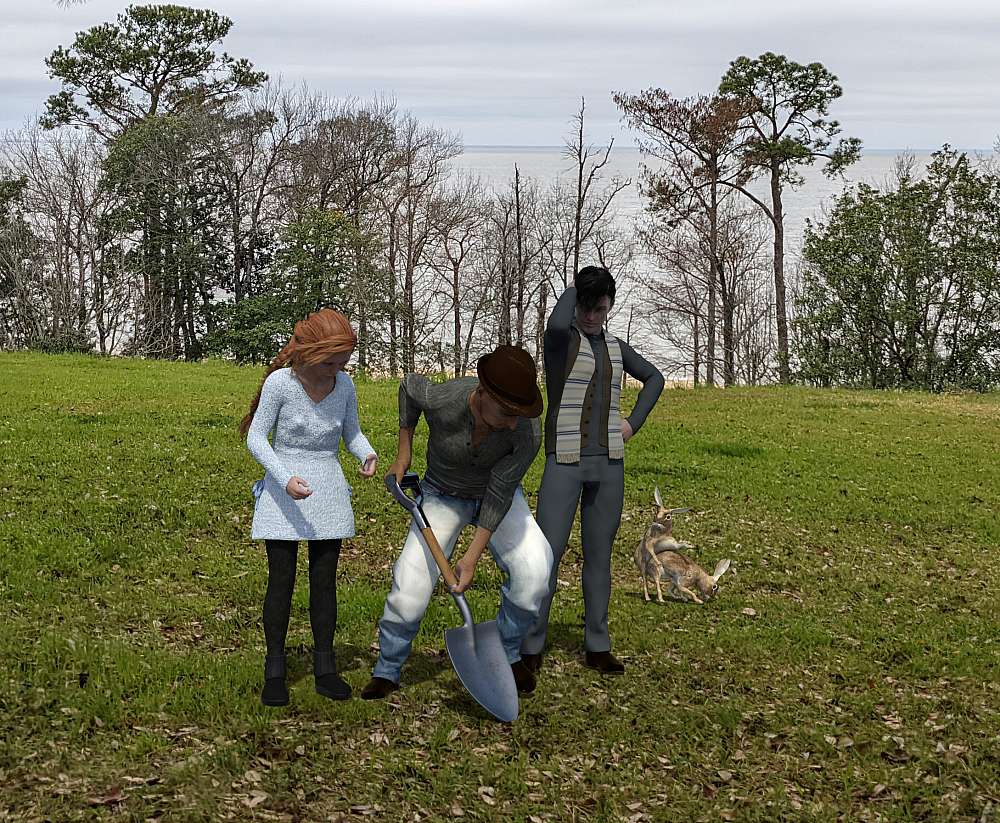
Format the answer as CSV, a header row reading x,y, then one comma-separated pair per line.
x,y
915,74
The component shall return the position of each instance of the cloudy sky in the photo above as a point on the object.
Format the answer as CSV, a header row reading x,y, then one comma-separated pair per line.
x,y
915,74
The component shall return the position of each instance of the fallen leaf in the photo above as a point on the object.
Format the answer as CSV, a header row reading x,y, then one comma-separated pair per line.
x,y
254,800
112,798
750,612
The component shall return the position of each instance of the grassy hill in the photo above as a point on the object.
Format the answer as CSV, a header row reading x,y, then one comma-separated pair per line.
x,y
847,670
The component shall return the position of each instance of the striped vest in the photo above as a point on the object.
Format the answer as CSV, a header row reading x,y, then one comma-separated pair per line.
x,y
576,394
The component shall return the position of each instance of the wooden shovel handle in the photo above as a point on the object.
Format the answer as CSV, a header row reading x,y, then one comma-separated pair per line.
x,y
439,558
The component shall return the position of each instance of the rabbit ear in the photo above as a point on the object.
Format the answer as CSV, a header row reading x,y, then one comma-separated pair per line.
x,y
657,498
720,569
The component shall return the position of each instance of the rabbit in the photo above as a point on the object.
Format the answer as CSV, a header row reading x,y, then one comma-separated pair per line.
x,y
686,576
658,557
645,556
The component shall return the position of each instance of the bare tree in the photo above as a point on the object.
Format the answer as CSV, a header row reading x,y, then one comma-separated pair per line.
x,y
458,242
580,222
679,293
349,162
676,298
407,209
79,285
258,138
590,206
696,141
746,296
23,316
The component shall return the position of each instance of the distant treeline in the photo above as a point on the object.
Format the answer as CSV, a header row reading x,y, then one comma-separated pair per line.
x,y
173,203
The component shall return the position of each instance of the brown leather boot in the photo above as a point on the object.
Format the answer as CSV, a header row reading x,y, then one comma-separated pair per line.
x,y
524,678
378,688
604,662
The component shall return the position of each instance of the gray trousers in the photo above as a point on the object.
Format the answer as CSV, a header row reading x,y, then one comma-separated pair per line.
x,y
597,485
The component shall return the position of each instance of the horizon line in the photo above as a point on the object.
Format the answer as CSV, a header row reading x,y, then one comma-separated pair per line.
x,y
917,150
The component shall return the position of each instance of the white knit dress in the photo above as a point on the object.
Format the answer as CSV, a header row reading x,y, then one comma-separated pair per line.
x,y
307,439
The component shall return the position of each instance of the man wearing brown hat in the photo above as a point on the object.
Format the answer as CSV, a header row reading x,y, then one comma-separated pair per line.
x,y
483,433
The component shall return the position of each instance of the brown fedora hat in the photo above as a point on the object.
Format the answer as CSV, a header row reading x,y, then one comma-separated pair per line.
x,y
510,377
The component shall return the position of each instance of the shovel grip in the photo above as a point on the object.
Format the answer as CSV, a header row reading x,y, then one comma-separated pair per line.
x,y
439,558
412,481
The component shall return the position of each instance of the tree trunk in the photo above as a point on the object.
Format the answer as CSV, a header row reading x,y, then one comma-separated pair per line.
x,y
543,297
457,308
728,337
713,280
410,314
393,326
578,214
519,235
697,352
781,315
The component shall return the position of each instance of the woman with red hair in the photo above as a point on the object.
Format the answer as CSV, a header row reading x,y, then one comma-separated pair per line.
x,y
310,404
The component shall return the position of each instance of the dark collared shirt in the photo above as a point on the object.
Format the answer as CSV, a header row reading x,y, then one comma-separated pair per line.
x,y
490,471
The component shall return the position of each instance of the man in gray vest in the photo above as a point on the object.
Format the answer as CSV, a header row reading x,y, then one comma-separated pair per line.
x,y
584,449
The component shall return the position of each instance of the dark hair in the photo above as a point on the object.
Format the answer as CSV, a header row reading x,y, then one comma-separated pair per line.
x,y
592,283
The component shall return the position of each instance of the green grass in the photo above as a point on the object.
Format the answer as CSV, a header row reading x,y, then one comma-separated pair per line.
x,y
847,671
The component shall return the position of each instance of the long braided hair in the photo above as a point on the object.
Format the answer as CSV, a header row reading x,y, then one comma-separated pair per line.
x,y
321,334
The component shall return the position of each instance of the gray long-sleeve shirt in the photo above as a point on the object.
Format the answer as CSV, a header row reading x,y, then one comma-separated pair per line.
x,y
490,471
559,333
307,438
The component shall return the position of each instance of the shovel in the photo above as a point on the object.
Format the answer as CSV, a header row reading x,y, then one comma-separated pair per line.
x,y
475,649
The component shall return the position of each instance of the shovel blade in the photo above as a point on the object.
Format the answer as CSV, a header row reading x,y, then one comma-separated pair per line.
x,y
481,664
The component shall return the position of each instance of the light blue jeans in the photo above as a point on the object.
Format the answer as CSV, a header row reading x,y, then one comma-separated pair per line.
x,y
518,547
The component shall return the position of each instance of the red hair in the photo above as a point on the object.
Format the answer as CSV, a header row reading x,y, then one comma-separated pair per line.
x,y
321,334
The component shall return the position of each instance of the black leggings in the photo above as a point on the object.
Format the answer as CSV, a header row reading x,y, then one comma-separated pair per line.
x,y
281,556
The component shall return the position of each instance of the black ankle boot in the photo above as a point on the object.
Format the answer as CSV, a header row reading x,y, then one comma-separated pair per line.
x,y
328,682
274,693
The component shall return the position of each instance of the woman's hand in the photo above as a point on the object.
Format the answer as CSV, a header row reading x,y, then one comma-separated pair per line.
x,y
626,430
298,489
368,467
